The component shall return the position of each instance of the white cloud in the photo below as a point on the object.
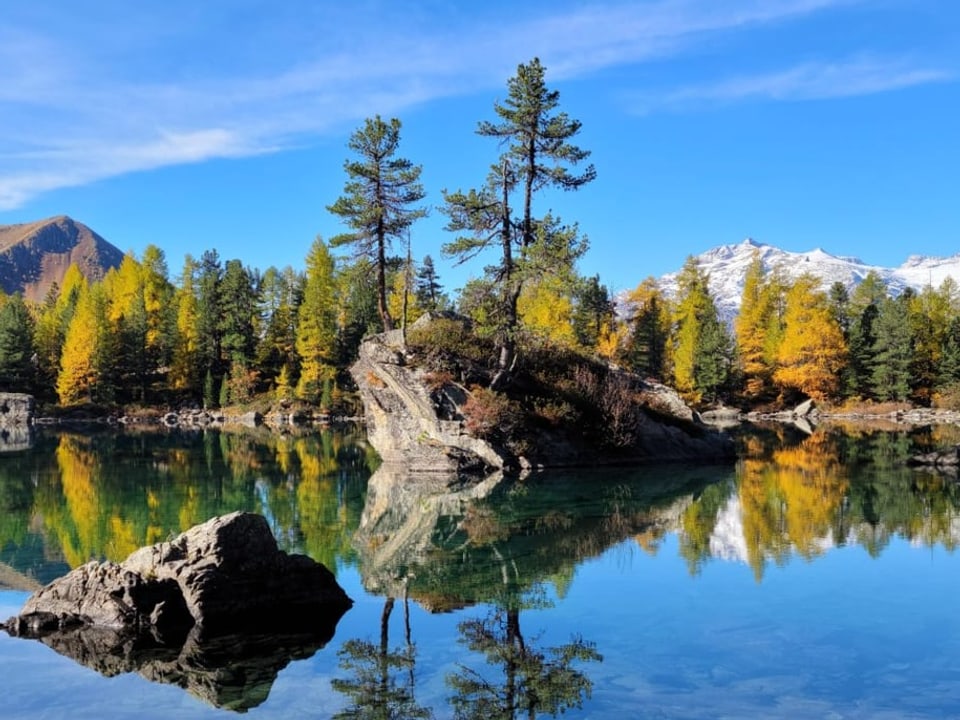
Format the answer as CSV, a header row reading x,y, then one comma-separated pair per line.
x,y
92,97
808,81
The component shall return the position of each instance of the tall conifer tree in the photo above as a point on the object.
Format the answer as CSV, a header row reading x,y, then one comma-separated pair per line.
x,y
379,199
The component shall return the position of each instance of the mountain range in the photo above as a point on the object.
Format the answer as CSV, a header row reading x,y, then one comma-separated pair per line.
x,y
34,256
727,267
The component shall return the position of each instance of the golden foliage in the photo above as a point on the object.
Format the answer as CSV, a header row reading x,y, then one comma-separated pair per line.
x,y
813,351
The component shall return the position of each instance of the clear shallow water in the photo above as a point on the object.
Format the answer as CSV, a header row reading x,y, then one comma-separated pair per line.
x,y
817,578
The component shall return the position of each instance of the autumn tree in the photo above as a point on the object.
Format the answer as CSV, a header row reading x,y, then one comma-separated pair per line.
x,y
538,154
702,346
754,326
812,353
89,351
52,319
317,324
185,372
379,199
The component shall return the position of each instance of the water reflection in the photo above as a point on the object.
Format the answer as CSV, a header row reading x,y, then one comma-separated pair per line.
x,y
839,486
232,672
447,544
77,497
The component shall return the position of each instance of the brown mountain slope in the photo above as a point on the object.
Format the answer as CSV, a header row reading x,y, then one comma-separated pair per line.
x,y
35,255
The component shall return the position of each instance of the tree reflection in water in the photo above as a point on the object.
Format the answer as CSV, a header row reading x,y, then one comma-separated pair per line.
x,y
381,681
519,679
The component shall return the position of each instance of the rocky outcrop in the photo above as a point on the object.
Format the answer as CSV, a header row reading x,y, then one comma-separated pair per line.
x,y
414,420
223,576
402,418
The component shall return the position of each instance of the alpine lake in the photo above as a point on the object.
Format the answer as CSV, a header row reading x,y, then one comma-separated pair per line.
x,y
816,577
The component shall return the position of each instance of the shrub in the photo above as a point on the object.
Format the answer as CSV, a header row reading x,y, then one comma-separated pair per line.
x,y
447,337
487,412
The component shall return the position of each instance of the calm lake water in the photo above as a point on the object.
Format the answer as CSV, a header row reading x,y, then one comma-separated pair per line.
x,y
818,577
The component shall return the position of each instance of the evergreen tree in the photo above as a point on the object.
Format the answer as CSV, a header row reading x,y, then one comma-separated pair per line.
x,y
646,348
949,371
379,197
238,307
357,313
538,154
929,317
208,315
281,293
857,373
892,350
429,291
593,311
16,346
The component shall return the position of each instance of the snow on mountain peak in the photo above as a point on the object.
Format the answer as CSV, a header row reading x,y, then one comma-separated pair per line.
x,y
727,267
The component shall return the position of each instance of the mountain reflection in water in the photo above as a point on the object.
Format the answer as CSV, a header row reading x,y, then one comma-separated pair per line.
x,y
447,544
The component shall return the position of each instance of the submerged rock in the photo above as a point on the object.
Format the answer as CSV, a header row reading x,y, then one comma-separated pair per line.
x,y
223,576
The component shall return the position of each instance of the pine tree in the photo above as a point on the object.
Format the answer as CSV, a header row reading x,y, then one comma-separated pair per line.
x,y
209,324
238,308
538,155
593,311
646,349
380,193
429,291
16,346
857,373
281,293
890,374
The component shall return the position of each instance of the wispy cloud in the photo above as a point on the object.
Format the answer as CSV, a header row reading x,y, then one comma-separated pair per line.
x,y
807,81
85,99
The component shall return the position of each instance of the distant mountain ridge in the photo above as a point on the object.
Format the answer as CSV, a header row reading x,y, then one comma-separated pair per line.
x,y
727,266
34,256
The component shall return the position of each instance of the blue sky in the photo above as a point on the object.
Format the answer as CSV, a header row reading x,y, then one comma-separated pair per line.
x,y
223,124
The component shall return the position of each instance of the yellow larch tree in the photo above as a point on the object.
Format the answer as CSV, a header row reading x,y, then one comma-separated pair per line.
x,y
812,352
546,311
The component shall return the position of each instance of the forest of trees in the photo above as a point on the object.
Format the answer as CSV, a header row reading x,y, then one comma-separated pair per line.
x,y
222,333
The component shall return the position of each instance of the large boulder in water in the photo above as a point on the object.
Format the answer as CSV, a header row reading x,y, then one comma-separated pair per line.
x,y
226,575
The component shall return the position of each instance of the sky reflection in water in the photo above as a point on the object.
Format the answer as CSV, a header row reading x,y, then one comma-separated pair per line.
x,y
837,598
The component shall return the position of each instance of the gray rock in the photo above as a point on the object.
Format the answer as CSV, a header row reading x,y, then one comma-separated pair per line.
x,y
222,576
414,424
946,458
16,409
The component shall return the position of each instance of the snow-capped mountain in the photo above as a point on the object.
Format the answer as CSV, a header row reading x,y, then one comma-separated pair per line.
x,y
727,265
